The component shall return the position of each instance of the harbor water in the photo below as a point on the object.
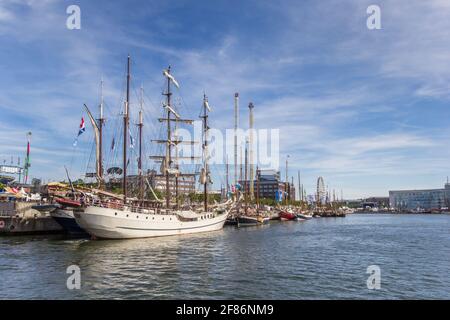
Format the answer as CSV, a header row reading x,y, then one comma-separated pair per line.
x,y
323,258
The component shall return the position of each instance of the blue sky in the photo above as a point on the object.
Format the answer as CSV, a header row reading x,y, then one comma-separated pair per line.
x,y
366,109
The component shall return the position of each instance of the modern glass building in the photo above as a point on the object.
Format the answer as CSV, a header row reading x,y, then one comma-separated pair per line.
x,y
428,199
269,183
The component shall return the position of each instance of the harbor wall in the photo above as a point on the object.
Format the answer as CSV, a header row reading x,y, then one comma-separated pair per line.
x,y
19,218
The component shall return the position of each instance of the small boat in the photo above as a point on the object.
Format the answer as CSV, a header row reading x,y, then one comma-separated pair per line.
x,y
68,202
231,221
45,207
274,216
246,221
263,219
302,217
66,219
286,215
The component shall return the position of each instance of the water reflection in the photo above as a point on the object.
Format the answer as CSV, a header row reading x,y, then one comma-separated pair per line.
x,y
320,258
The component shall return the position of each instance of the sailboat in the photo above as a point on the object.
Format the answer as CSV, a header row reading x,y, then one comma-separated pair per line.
x,y
134,219
64,214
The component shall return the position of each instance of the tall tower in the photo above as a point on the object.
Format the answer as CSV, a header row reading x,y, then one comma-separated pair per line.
x,y
236,125
252,174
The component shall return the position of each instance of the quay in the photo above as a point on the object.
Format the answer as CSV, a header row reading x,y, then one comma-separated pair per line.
x,y
19,218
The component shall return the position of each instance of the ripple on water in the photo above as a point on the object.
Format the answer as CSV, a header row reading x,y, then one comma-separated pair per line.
x,y
316,259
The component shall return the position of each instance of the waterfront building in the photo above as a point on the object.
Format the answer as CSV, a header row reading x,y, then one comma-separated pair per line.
x,y
186,184
375,202
427,199
269,183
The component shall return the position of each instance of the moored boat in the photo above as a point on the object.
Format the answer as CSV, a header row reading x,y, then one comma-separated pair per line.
x,y
301,217
131,219
68,202
66,219
132,222
263,219
244,221
231,221
286,215
45,207
247,220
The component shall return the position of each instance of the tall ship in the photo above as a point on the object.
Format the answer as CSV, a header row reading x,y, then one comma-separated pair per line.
x,y
105,218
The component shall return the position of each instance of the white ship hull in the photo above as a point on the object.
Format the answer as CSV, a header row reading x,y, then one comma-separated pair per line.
x,y
108,223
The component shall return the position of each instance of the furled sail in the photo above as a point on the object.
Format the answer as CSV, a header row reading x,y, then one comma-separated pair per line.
x,y
205,177
202,176
97,142
163,167
207,105
168,75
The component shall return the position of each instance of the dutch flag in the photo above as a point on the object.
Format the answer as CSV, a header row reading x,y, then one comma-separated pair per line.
x,y
80,131
82,127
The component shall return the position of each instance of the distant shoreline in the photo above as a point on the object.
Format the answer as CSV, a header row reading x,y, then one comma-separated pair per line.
x,y
401,213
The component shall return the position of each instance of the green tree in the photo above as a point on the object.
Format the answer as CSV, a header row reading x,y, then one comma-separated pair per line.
x,y
158,193
79,182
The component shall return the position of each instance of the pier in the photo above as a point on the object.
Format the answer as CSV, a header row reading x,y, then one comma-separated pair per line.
x,y
19,218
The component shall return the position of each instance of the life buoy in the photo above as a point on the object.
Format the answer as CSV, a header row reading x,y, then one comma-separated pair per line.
x,y
2,224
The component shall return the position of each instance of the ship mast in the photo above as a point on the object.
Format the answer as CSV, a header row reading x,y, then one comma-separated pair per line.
x,y
300,191
227,179
252,174
290,186
205,175
236,124
240,165
140,126
258,175
125,132
177,167
101,120
27,159
286,182
246,184
168,159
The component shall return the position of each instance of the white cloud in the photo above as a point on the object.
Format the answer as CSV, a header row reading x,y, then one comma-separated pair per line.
x,y
5,15
320,74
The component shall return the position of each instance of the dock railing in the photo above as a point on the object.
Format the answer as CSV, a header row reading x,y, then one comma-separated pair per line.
x,y
135,209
